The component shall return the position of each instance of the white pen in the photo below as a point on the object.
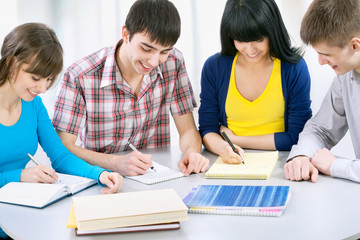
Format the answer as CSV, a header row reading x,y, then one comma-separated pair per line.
x,y
38,163
135,150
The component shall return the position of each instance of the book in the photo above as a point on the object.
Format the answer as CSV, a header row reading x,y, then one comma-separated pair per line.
x,y
128,209
40,195
155,227
238,200
257,166
161,174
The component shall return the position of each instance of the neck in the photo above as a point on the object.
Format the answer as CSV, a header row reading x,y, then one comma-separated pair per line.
x,y
126,69
8,98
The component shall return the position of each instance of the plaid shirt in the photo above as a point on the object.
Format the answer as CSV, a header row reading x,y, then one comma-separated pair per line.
x,y
95,102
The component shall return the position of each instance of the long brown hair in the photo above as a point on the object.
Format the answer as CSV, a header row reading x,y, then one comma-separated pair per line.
x,y
35,44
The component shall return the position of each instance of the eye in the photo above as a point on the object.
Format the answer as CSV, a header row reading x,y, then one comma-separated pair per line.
x,y
145,49
35,78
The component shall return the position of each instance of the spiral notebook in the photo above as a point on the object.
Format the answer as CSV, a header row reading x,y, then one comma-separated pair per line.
x,y
257,165
161,174
267,201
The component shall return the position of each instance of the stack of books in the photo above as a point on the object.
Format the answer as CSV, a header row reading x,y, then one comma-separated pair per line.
x,y
127,212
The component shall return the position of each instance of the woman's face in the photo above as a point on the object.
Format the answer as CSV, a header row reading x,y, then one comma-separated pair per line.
x,y
253,51
27,85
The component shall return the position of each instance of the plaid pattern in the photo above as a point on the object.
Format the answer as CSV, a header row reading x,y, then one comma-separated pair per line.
x,y
95,102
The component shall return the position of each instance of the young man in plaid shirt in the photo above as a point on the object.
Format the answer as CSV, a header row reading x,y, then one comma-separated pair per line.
x,y
125,93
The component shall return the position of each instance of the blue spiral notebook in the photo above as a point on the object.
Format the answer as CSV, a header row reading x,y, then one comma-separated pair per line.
x,y
238,200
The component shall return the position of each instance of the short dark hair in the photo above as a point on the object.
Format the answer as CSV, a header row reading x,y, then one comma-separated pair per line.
x,y
334,21
253,20
158,18
34,44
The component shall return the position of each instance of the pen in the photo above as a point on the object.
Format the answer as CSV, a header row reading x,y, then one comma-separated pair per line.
x,y
38,163
223,134
135,150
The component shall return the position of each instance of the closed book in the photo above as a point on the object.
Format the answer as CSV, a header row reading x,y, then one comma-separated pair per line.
x,y
155,227
238,200
258,166
128,209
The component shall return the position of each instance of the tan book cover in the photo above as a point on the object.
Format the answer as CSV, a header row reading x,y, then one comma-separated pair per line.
x,y
128,209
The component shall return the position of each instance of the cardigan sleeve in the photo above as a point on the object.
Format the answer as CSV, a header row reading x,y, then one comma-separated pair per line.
x,y
296,89
209,110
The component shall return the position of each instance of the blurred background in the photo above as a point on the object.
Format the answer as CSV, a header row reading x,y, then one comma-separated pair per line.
x,y
84,26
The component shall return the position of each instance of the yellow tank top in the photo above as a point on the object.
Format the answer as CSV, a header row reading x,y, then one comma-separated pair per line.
x,y
265,115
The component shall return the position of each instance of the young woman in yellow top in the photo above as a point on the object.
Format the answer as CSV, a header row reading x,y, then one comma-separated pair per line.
x,y
257,89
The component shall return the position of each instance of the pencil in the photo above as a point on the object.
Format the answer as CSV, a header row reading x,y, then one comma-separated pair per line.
x,y
135,150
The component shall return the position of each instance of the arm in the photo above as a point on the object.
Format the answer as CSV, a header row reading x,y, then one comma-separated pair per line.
x,y
130,164
324,130
64,161
190,145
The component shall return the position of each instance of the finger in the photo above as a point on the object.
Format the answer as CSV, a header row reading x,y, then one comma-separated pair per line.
x,y
182,165
291,171
47,175
314,174
286,171
190,167
305,171
205,164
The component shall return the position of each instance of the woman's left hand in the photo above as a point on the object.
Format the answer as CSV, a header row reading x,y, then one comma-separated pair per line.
x,y
112,180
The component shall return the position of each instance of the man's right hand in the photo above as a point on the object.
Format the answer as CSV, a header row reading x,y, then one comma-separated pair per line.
x,y
132,164
300,168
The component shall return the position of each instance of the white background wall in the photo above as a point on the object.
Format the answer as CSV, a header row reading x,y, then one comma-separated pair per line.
x,y
84,26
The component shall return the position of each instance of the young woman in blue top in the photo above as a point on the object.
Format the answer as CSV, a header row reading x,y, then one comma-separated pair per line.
x,y
31,59
257,89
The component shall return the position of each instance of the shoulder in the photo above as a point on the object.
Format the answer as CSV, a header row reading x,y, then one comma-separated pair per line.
x,y
298,67
218,60
92,63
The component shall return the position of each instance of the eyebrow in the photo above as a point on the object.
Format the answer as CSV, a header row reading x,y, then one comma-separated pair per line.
x,y
149,46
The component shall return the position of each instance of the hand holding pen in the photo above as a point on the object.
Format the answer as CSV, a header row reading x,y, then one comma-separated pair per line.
x,y
40,173
135,150
226,138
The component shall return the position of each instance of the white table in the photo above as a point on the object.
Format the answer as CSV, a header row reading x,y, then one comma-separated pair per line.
x,y
328,209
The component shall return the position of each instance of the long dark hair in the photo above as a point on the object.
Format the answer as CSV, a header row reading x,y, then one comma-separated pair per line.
x,y
34,44
252,20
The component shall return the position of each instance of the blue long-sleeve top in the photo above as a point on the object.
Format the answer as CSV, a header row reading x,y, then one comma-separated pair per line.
x,y
215,80
33,127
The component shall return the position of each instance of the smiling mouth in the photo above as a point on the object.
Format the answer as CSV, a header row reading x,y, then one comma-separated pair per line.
x,y
33,93
146,67
252,56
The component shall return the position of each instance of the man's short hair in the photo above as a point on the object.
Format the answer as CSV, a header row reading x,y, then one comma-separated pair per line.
x,y
334,21
158,18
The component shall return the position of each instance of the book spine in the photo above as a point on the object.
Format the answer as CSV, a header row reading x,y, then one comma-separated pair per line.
x,y
237,176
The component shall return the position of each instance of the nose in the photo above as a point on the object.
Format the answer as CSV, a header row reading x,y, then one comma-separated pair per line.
x,y
154,59
42,85
322,59
250,48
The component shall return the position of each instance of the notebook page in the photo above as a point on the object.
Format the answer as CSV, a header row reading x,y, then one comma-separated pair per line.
x,y
161,174
257,166
75,183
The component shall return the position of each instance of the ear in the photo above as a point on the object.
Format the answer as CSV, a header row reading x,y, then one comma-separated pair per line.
x,y
355,43
125,34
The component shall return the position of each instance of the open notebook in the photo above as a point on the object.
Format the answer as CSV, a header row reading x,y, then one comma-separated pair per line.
x,y
145,228
161,174
257,165
40,195
267,201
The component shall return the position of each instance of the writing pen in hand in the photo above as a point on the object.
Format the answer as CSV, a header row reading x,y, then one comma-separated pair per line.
x,y
135,150
38,163
223,134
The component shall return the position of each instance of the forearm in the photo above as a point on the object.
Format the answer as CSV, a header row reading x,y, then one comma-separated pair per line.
x,y
265,142
190,141
214,143
106,161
